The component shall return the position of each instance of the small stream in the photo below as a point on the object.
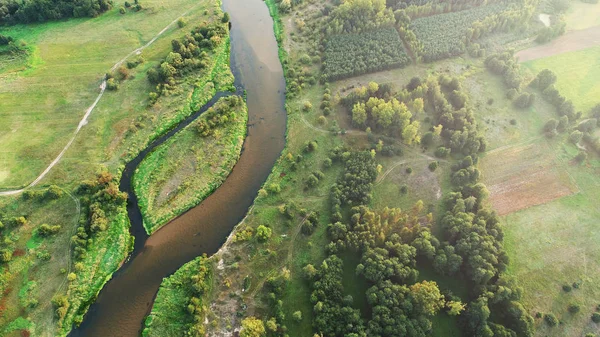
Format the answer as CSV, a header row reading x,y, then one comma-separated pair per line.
x,y
127,298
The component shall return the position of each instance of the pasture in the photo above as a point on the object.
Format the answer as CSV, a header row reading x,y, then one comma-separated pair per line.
x,y
42,103
522,176
556,244
577,73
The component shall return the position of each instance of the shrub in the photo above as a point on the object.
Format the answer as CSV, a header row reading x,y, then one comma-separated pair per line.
x,y
53,192
596,317
297,316
274,188
574,308
581,156
551,320
566,288
409,170
442,152
46,230
112,84
433,166
182,22
403,189
263,233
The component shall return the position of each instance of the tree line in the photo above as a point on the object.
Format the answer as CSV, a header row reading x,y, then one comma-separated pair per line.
x,y
15,11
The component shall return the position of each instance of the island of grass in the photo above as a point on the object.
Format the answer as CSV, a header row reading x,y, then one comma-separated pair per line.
x,y
192,164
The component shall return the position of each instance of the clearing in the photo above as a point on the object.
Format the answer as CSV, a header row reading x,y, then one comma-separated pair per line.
x,y
519,177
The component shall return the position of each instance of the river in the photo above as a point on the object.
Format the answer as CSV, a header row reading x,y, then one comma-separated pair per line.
x,y
127,298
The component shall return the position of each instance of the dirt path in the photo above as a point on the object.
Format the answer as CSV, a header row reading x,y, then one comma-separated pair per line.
x,y
571,41
88,112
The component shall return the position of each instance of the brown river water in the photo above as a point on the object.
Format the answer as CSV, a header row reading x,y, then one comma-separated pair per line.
x,y
127,298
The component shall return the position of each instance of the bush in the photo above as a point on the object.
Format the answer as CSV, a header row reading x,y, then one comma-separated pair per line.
x,y
551,320
53,192
409,170
263,233
596,317
297,316
46,230
442,152
182,22
433,166
574,308
566,288
112,84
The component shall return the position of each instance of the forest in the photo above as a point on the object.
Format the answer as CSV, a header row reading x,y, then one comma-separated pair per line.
x,y
351,55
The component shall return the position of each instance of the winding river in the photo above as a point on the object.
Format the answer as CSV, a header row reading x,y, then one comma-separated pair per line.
x,y
127,298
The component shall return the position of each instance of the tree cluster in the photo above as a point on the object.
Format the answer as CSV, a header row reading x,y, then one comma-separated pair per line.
x,y
100,199
187,54
354,186
459,128
349,55
357,16
16,11
446,35
222,113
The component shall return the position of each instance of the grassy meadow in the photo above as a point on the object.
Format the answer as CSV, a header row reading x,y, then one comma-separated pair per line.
x,y
582,15
43,96
577,73
42,103
186,169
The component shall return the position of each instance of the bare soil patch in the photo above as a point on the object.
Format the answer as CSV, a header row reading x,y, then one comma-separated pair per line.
x,y
571,41
524,176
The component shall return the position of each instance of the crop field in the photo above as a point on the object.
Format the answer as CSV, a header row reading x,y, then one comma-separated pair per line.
x,y
443,35
61,77
350,55
556,244
523,176
577,73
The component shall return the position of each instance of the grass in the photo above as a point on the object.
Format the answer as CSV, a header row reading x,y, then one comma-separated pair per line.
x,y
186,169
25,268
583,15
577,73
122,124
68,61
555,244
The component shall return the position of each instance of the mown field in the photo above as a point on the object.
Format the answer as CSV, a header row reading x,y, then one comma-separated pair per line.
x,y
577,73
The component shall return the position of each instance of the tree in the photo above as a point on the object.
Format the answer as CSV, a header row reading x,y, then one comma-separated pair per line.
x,y
427,295
551,320
285,6
252,327
263,233
297,316
225,17
359,114
576,136
551,125
544,79
455,308
46,230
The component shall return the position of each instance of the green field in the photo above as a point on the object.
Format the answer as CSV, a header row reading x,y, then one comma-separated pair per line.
x,y
556,244
577,73
59,79
187,168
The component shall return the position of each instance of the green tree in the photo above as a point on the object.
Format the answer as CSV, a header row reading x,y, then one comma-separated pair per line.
x,y
427,295
263,233
252,327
